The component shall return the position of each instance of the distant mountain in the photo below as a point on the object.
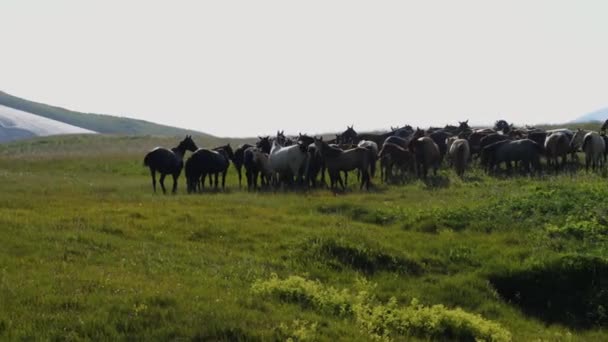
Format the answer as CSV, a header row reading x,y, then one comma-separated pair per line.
x,y
101,123
598,115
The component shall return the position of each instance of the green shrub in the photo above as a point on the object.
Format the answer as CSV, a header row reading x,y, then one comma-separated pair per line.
x,y
383,321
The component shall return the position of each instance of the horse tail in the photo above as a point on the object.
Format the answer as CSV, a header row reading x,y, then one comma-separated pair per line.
x,y
372,162
461,158
248,157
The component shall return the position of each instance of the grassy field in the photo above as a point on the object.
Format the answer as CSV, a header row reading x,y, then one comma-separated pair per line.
x,y
90,253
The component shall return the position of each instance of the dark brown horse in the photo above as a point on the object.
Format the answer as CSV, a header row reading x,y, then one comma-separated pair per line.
x,y
395,155
337,160
168,162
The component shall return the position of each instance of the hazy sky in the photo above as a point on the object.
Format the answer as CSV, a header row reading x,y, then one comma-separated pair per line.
x,y
242,68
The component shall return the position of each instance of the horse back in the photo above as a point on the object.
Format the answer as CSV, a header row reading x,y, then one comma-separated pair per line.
x,y
163,160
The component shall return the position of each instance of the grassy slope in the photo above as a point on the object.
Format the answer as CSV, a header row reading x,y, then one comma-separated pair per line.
x,y
97,122
89,252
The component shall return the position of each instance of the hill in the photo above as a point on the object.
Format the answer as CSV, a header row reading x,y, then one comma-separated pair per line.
x,y
102,123
598,115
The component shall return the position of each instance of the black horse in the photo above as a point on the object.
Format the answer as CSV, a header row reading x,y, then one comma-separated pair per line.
x,y
205,162
167,162
239,156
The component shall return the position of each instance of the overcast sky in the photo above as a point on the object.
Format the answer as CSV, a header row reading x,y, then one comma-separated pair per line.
x,y
243,68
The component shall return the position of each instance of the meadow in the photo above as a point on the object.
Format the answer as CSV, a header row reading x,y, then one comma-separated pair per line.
x,y
90,253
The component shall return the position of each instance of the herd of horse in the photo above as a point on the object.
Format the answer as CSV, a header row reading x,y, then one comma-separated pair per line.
x,y
401,153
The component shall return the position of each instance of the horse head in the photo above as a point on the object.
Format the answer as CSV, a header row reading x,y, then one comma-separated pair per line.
x,y
187,144
264,144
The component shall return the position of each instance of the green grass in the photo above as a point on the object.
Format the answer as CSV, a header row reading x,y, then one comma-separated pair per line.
x,y
89,253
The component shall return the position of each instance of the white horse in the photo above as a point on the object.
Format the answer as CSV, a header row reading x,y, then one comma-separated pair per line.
x,y
459,153
287,161
594,147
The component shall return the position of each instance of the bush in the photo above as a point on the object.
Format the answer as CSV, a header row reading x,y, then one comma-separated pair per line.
x,y
383,321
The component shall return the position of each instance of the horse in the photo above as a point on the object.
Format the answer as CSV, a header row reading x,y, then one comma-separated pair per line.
x,y
492,138
538,137
502,126
373,147
348,136
403,142
525,151
557,145
314,163
576,142
167,161
257,163
440,137
239,158
604,127
459,155
337,160
427,155
594,147
205,162
475,140
287,161
395,155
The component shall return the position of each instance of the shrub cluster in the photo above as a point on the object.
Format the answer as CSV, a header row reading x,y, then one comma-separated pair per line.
x,y
383,321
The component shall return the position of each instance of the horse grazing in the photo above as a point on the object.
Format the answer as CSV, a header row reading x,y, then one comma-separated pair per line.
x,y
205,162
395,155
167,162
459,155
594,147
337,160
287,161
557,145
239,155
525,151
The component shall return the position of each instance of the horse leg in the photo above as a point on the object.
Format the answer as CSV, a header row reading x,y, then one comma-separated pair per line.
x,y
216,178
153,173
175,183
162,182
238,170
224,180
202,181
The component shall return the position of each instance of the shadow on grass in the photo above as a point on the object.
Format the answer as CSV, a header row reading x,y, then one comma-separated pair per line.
x,y
572,291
